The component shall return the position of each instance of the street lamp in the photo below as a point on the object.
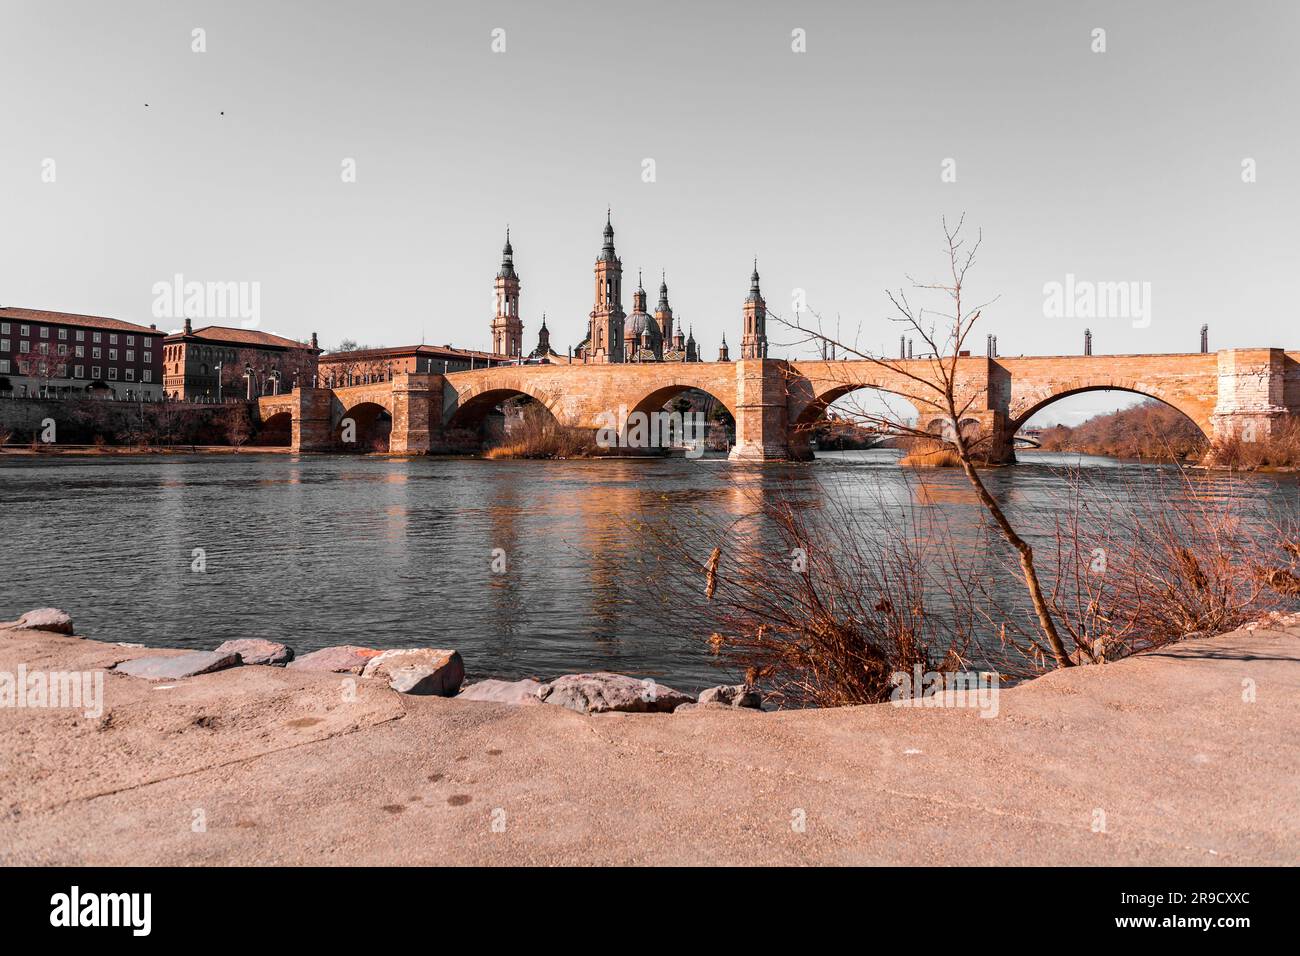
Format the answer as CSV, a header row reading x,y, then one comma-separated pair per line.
x,y
248,378
219,366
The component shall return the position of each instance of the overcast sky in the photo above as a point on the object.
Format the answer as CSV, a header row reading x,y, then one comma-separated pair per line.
x,y
1116,166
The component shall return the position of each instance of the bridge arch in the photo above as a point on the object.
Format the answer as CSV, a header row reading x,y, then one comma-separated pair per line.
x,y
276,429
473,405
658,398
1022,411
371,425
467,424
817,399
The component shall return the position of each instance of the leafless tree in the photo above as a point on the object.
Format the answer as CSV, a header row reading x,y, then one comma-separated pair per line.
x,y
932,384
42,364
239,425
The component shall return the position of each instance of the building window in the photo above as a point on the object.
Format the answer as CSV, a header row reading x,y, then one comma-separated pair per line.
x,y
146,376
95,371
24,330
112,338
112,373
45,331
112,355
81,351
130,375
4,365
24,346
45,347
81,335
79,371
4,327
94,352
63,334
130,355
63,349
96,337
148,356
130,340
4,345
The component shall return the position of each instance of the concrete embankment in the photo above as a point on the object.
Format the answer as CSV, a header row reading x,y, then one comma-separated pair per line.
x,y
1186,756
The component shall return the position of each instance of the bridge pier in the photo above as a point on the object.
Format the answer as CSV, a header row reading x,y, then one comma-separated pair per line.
x,y
762,425
313,419
417,413
1252,397
1000,446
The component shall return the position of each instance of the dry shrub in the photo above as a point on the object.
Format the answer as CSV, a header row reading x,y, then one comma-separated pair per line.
x,y
930,453
1163,560
536,434
814,602
1279,449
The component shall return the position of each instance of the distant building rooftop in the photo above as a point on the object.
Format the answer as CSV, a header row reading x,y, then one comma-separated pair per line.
x,y
232,336
73,318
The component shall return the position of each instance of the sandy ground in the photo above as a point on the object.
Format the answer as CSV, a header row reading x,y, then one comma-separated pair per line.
x,y
1160,759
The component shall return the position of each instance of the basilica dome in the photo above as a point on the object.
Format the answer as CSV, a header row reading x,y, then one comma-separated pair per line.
x,y
637,323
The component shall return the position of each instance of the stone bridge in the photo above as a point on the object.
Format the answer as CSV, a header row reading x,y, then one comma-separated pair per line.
x,y
774,401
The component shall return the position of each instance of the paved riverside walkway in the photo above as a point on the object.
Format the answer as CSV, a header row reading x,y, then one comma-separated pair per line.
x,y
260,765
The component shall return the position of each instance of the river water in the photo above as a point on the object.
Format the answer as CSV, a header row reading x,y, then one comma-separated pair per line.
x,y
390,552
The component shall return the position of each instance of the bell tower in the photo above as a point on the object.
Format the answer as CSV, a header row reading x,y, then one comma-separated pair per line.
x,y
605,335
507,327
664,313
753,344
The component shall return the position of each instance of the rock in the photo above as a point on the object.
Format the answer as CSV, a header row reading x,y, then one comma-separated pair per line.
x,y
178,666
601,692
687,708
339,659
732,695
503,691
254,650
419,670
43,619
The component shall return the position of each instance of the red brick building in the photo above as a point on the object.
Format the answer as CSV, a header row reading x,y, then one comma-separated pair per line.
x,y
64,354
216,363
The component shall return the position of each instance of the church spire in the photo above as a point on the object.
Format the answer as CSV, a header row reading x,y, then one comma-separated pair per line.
x,y
507,326
507,259
605,331
607,250
753,343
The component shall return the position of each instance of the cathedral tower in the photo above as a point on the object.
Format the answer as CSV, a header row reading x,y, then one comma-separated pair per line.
x,y
753,344
507,327
664,312
605,335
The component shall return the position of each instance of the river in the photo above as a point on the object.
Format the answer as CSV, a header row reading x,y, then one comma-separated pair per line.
x,y
388,552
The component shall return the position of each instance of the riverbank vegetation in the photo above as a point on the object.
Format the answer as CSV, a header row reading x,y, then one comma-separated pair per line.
x,y
929,453
1244,452
531,431
1160,557
1149,430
